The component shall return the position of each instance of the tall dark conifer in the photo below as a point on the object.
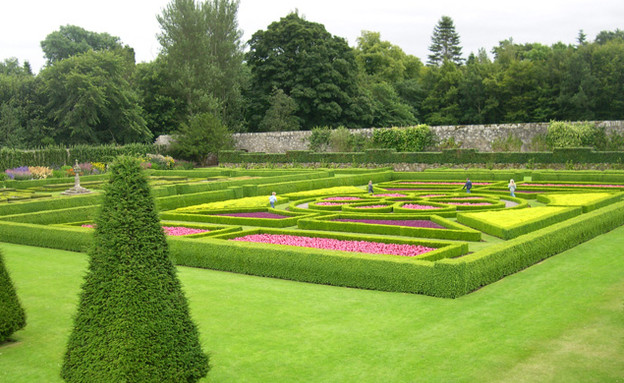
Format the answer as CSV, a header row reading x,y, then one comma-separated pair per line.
x,y
445,43
12,316
133,322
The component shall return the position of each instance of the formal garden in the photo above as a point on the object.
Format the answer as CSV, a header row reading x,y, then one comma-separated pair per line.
x,y
415,279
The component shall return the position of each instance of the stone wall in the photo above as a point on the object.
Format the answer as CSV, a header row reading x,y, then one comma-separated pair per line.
x,y
478,137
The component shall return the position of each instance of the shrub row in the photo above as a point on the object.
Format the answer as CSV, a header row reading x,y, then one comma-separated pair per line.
x,y
379,272
55,156
55,237
245,221
48,217
50,204
462,275
447,156
474,220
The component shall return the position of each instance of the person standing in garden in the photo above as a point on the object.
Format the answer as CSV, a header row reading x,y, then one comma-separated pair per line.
x,y
467,185
272,200
512,187
370,186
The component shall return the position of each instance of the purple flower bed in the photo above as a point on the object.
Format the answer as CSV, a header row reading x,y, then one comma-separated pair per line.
x,y
255,214
336,244
397,222
419,207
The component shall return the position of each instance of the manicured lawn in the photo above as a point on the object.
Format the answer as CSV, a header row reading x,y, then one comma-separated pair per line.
x,y
559,321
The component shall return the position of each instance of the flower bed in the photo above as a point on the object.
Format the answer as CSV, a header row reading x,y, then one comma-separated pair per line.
x,y
169,230
255,214
336,244
417,206
576,185
342,199
396,222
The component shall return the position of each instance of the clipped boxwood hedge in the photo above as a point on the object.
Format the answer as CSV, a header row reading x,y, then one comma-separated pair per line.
x,y
497,223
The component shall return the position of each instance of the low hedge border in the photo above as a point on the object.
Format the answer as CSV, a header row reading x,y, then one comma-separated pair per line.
x,y
596,204
384,207
48,217
50,236
359,270
472,220
443,210
244,221
22,207
462,275
453,230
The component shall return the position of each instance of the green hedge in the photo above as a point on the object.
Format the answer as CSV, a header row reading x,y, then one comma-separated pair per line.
x,y
245,221
55,237
379,272
447,156
50,204
48,217
587,207
463,275
525,227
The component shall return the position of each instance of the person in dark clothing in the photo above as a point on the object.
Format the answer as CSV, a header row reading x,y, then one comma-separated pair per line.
x,y
467,185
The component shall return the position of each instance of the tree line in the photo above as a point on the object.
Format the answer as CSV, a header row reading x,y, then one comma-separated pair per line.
x,y
206,82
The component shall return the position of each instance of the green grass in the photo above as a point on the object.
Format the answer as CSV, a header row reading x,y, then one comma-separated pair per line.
x,y
558,321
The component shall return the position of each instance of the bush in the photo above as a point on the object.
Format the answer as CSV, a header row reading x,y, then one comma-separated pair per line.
x,y
412,139
133,322
319,139
12,315
570,135
509,144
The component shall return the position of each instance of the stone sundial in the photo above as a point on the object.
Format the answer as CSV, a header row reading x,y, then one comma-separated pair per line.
x,y
77,189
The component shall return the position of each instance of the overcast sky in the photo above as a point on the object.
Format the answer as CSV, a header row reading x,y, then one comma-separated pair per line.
x,y
406,23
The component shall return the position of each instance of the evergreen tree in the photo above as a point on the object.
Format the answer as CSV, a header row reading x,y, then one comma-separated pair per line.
x,y
12,316
133,322
445,43
280,117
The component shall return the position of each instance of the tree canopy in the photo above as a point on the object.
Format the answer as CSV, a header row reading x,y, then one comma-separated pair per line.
x,y
316,69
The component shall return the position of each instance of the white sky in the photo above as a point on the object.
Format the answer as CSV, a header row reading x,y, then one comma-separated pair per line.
x,y
406,23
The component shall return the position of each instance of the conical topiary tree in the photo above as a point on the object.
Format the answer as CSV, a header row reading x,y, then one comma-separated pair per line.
x,y
133,322
12,315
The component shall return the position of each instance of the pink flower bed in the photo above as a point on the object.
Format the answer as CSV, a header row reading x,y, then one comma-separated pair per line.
x,y
336,244
341,198
389,195
397,222
468,203
577,185
464,198
179,230
331,203
255,214
370,206
441,183
433,195
419,207
171,230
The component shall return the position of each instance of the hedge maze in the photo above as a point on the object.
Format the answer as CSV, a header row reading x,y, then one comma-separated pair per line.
x,y
417,232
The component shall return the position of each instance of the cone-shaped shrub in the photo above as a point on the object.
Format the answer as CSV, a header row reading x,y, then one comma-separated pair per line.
x,y
12,316
133,322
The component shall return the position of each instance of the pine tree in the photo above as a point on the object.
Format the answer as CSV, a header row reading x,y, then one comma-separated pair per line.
x,y
12,316
133,322
445,43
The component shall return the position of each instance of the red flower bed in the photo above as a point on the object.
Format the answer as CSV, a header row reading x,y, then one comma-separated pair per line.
x,y
336,244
